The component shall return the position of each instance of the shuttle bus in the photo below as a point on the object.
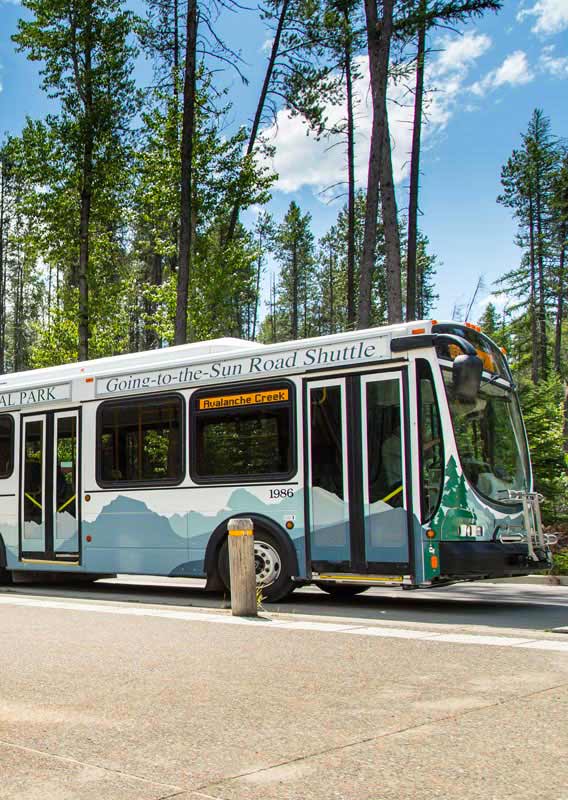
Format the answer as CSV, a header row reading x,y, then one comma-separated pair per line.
x,y
392,456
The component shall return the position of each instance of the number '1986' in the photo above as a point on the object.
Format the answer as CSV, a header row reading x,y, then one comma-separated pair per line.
x,y
276,494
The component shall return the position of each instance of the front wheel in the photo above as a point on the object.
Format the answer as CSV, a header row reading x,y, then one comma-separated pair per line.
x,y
273,567
342,591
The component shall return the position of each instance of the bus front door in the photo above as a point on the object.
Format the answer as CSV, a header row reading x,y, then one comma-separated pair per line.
x,y
49,508
357,488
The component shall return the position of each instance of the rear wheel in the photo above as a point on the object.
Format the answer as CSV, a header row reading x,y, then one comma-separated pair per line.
x,y
341,590
273,566
5,576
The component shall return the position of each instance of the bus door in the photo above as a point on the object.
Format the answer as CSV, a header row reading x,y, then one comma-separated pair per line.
x,y
357,488
49,508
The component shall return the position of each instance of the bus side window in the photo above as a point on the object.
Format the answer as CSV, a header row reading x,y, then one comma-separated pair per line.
x,y
6,445
431,449
243,434
139,441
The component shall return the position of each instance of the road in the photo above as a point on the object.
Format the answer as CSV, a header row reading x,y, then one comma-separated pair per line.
x,y
494,605
151,690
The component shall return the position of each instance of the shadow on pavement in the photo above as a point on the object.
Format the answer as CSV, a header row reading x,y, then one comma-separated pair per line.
x,y
494,605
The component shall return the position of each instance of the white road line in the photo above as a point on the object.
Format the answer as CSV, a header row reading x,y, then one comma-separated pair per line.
x,y
291,625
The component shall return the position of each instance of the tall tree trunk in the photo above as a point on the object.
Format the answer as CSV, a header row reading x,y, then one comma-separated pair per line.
x,y
83,271
257,289
378,44
86,198
19,312
560,301
412,278
542,344
351,299
370,229
3,237
294,291
154,277
176,51
393,265
234,218
273,304
532,296
186,194
331,293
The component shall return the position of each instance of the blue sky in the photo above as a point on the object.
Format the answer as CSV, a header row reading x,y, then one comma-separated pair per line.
x,y
488,78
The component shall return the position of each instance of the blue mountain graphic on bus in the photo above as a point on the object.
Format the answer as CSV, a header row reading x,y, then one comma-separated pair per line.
x,y
148,541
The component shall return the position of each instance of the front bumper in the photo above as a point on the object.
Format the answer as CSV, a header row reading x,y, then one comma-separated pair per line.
x,y
488,559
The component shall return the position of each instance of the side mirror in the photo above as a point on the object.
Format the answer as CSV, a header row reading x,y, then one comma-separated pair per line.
x,y
466,374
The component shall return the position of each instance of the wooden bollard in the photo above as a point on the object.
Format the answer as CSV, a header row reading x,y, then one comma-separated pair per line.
x,y
242,568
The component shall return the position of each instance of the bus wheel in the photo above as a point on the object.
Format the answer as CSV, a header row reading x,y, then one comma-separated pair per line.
x,y
273,568
340,590
5,576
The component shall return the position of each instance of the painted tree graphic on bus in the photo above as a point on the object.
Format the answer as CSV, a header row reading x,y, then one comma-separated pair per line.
x,y
453,509
455,491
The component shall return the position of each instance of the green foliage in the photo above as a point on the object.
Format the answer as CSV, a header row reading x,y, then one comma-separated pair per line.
x,y
560,563
292,312
543,409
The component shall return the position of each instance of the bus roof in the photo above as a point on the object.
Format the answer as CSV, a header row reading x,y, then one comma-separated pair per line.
x,y
220,350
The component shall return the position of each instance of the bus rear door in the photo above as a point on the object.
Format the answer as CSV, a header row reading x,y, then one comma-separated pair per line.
x,y
49,507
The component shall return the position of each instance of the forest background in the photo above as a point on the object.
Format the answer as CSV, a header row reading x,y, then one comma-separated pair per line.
x,y
122,207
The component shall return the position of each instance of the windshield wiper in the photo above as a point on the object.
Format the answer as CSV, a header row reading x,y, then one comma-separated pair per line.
x,y
497,377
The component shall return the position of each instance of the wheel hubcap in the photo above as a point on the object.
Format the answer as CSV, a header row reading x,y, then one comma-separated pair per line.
x,y
268,564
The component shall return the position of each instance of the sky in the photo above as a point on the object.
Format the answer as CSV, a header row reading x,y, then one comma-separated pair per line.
x,y
485,78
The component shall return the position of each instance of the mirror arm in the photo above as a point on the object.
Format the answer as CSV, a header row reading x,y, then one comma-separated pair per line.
x,y
402,343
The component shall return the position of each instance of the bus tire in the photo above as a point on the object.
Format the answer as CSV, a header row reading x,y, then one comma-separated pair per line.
x,y
273,563
342,591
5,574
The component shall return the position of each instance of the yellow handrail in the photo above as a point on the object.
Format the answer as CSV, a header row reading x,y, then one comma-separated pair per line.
x,y
392,494
66,503
33,500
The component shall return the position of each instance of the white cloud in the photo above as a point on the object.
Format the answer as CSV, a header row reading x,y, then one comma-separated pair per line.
x,y
551,16
302,160
266,46
514,71
557,66
459,54
498,300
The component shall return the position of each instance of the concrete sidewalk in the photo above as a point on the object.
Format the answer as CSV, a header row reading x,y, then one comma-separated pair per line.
x,y
120,706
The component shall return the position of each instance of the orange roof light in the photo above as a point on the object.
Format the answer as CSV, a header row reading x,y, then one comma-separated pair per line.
x,y
434,321
473,327
418,330
89,380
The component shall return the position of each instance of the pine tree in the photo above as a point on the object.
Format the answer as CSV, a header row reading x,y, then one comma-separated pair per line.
x,y
86,64
527,180
293,247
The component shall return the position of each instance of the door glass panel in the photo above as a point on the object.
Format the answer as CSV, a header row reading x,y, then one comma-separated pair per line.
x,y
66,530
431,455
329,506
386,524
33,501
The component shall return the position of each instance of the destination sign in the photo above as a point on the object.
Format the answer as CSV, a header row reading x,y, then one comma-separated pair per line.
x,y
237,400
36,396
273,363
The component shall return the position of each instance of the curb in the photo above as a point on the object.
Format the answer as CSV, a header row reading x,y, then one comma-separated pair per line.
x,y
539,580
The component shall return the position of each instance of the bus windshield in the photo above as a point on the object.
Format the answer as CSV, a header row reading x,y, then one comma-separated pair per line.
x,y
490,439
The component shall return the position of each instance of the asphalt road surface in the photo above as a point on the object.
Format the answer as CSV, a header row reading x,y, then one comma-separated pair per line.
x,y
149,689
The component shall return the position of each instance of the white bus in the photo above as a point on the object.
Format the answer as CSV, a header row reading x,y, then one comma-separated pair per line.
x,y
390,456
